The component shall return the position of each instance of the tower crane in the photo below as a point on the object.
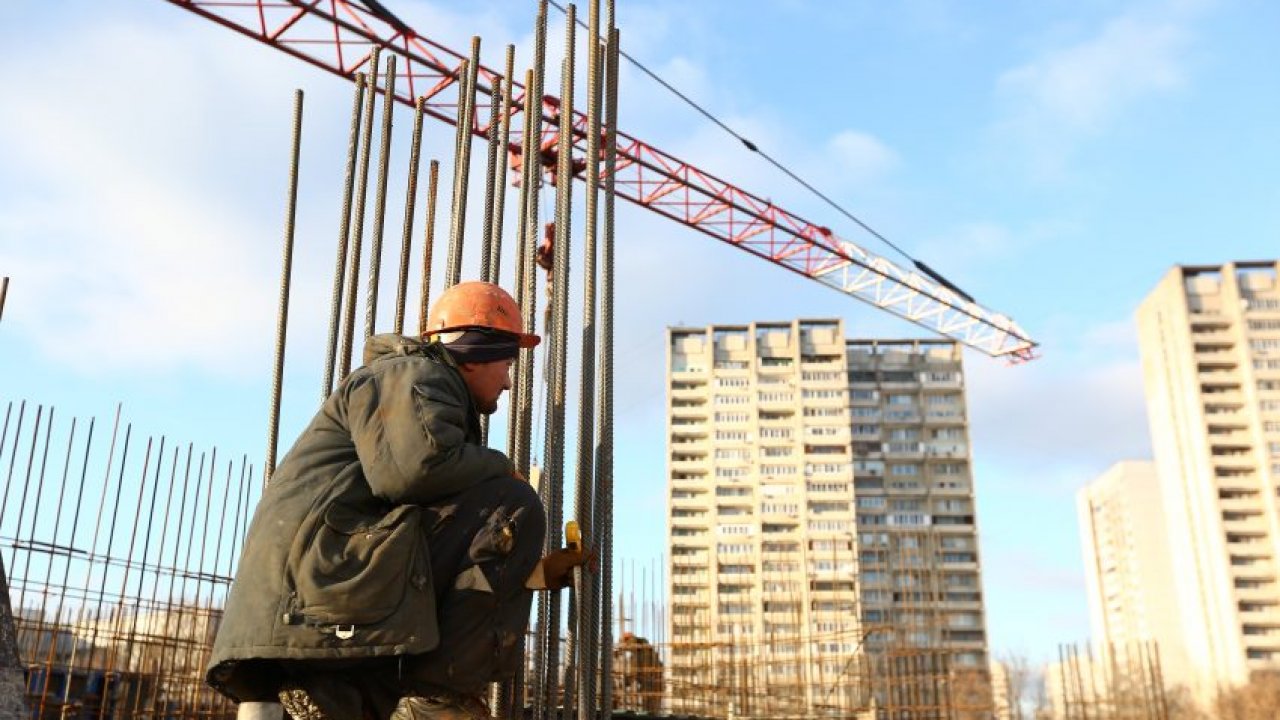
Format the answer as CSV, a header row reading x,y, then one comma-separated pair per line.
x,y
337,35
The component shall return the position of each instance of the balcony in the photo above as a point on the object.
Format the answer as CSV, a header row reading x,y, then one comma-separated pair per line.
x,y
900,449
946,450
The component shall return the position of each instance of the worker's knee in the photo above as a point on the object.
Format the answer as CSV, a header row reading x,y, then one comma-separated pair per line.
x,y
516,523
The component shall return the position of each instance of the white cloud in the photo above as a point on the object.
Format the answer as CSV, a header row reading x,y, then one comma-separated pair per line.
x,y
1084,85
863,157
1077,409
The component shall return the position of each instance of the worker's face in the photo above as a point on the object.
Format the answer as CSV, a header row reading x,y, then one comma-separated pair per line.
x,y
487,381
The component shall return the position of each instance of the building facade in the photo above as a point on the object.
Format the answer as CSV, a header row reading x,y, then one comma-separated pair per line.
x,y
823,545
1210,343
1128,568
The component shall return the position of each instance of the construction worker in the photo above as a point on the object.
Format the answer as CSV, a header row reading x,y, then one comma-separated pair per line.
x,y
388,569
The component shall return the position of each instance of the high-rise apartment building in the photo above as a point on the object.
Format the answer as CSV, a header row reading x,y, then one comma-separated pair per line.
x,y
1210,342
823,547
1128,568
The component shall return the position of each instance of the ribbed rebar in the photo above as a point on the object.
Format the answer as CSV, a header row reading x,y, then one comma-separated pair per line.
x,y
490,173
286,272
517,440
4,293
410,204
553,476
357,232
603,511
462,164
344,229
380,200
544,630
500,177
588,631
428,243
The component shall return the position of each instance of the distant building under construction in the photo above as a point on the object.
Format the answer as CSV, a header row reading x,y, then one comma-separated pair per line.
x,y
822,532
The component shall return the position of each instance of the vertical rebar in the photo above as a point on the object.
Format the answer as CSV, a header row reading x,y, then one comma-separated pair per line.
x,y
4,293
428,242
410,201
604,444
462,164
13,456
518,437
490,171
553,476
500,176
588,630
286,271
530,163
344,229
357,231
26,485
380,199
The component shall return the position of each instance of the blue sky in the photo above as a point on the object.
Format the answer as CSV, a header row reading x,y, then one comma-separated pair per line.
x,y
1054,159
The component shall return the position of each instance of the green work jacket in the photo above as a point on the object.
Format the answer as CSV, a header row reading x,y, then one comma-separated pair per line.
x,y
335,564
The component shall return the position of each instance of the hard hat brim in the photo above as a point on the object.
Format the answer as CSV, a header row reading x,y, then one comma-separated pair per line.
x,y
529,340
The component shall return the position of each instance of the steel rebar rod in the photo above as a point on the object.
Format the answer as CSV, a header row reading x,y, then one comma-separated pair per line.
x,y
26,484
71,541
603,511
118,625
410,204
553,476
462,164
490,171
13,456
4,293
344,230
519,437
428,243
588,616
357,231
380,200
500,176
286,274
530,162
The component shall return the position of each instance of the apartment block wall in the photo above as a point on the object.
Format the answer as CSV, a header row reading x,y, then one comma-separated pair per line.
x,y
821,516
1210,344
1128,568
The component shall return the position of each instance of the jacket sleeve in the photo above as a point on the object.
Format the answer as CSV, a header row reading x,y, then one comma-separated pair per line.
x,y
409,429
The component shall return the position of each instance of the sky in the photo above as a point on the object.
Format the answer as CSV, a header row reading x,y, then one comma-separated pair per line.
x,y
1053,159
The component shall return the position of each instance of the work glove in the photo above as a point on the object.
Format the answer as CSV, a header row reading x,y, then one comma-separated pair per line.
x,y
555,571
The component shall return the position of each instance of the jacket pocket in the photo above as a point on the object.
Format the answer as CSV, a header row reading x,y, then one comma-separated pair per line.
x,y
358,566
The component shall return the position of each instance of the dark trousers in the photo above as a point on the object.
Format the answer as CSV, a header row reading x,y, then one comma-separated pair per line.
x,y
484,543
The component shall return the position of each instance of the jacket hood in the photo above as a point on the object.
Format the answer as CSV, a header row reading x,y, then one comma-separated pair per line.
x,y
387,345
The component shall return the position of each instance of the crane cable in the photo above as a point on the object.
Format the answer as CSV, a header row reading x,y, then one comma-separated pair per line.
x,y
918,264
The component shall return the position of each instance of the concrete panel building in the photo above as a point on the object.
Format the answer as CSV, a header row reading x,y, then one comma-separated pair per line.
x,y
1128,568
1210,343
823,546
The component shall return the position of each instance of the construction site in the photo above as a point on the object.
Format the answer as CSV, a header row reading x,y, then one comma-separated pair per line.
x,y
821,556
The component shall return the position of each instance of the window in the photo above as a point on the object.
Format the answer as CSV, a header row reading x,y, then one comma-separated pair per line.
x,y
722,472
730,435
733,454
821,394
736,417
948,469
734,530
871,502
726,382
733,492
731,399
904,469
900,399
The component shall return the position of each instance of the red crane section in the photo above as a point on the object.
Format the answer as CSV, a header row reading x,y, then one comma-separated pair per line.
x,y
337,36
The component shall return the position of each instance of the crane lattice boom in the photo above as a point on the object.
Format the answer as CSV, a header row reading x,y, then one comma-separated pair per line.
x,y
337,35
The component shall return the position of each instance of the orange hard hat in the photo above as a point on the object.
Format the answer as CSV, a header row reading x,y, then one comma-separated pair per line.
x,y
478,305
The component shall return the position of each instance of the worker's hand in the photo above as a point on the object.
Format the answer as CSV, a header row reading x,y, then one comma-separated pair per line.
x,y
557,567
515,473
